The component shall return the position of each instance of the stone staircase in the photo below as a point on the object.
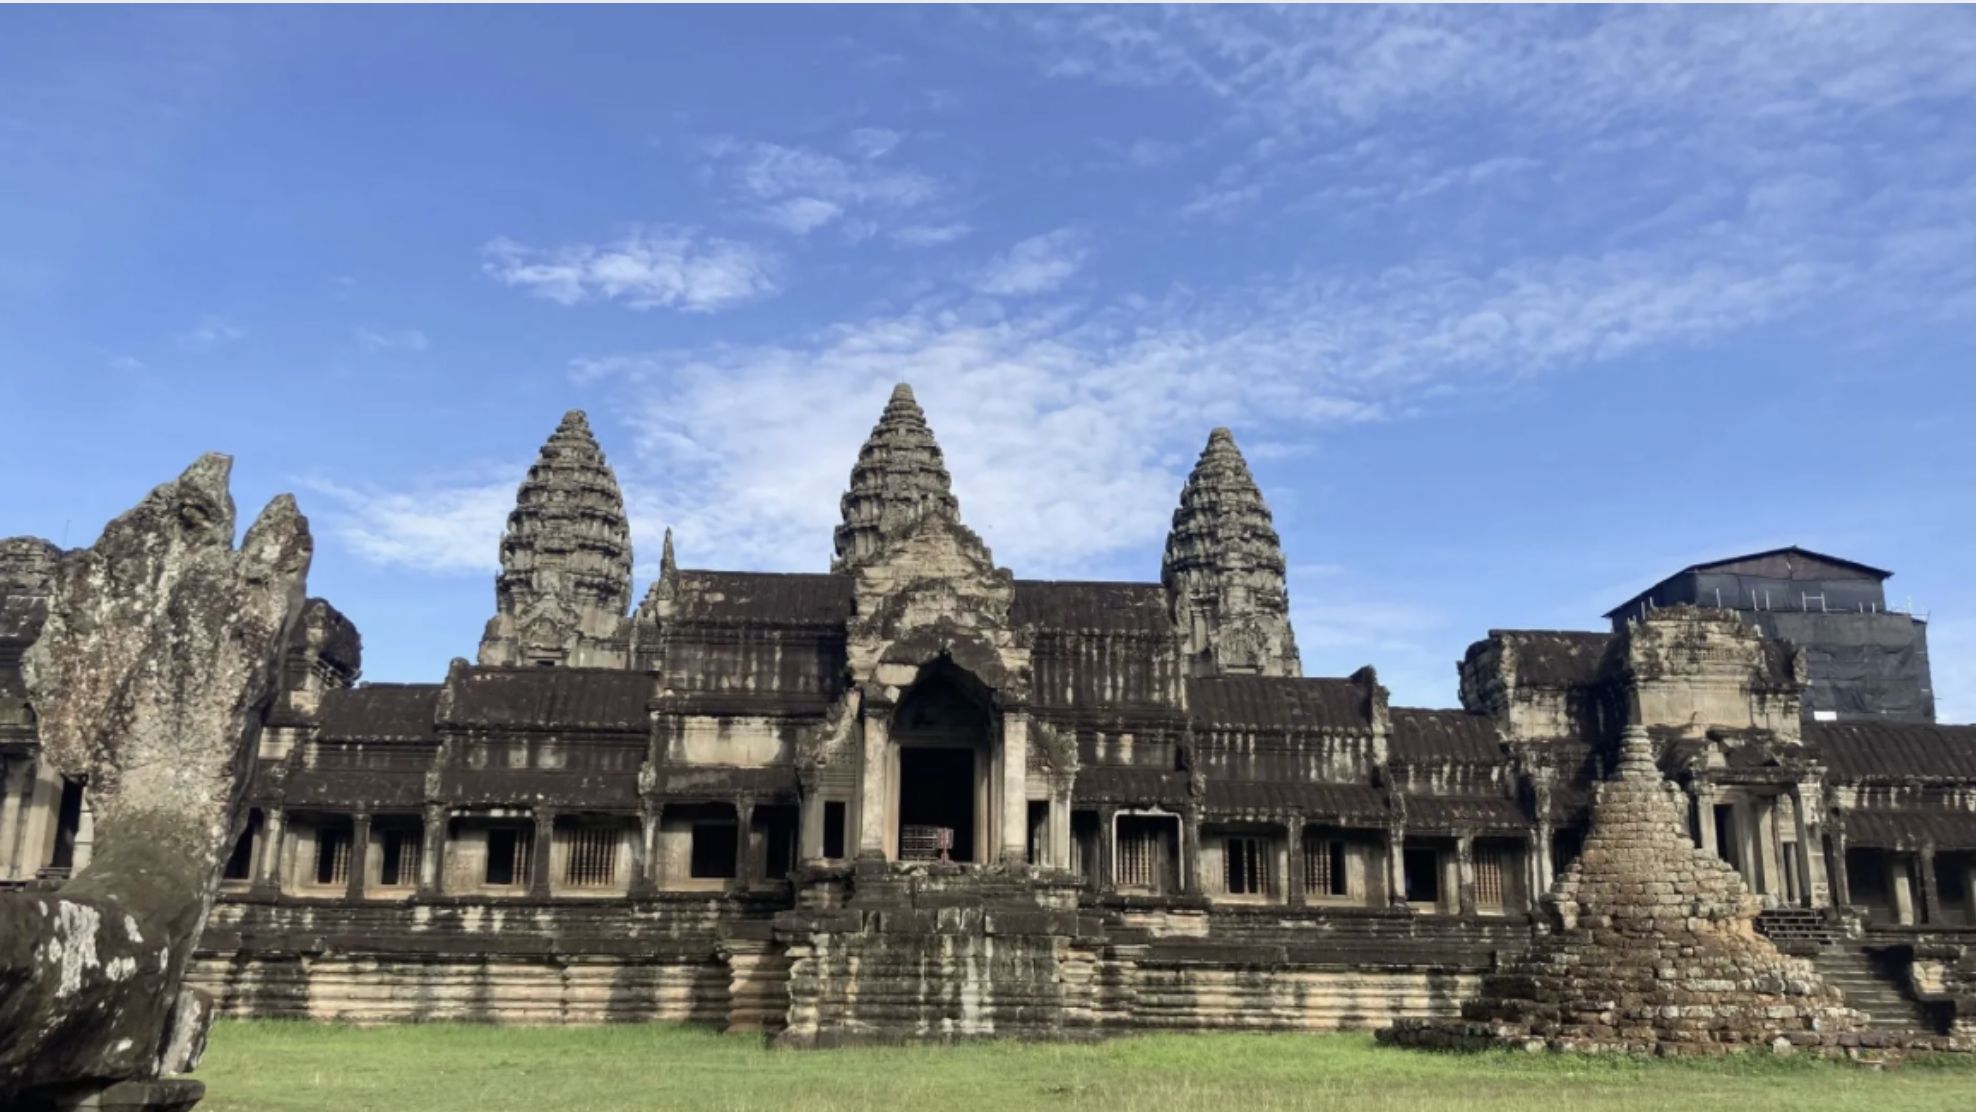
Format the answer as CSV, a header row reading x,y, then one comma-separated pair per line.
x,y
1876,985
1803,931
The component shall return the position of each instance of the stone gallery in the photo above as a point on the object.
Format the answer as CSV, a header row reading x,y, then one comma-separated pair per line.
x,y
911,796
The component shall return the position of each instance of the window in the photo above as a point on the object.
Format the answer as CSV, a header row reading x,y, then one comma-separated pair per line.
x,y
714,847
510,853
833,828
398,863
333,855
590,857
1324,867
240,862
1489,879
1423,875
778,850
1246,866
1145,848
1039,832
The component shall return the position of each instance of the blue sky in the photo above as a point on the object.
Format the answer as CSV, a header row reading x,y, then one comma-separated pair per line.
x,y
1514,311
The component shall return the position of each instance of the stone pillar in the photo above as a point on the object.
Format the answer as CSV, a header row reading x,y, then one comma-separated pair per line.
x,y
1465,873
1705,816
14,784
1060,855
42,803
1811,845
643,850
1542,874
809,830
1931,895
1015,786
1107,846
1293,855
1190,849
1901,877
432,855
1396,867
540,864
873,806
360,829
744,843
1841,878
85,834
274,830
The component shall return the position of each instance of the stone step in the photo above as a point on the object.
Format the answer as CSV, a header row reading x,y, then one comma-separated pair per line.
x,y
1872,985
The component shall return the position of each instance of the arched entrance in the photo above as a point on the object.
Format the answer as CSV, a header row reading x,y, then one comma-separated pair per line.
x,y
942,737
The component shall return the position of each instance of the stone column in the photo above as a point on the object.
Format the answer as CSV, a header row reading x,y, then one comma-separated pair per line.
x,y
744,842
1107,846
274,830
1396,868
873,806
1465,873
360,829
1015,786
1705,815
1190,849
1542,875
1059,857
1931,896
40,805
809,830
1841,878
1811,845
1902,878
540,862
643,848
432,855
85,834
14,785
1294,851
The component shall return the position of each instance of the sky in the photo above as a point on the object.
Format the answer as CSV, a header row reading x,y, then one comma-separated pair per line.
x,y
1513,311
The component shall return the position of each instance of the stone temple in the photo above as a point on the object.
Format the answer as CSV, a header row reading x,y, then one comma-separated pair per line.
x,y
911,796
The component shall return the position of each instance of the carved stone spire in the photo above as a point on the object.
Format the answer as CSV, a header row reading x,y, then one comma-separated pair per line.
x,y
565,577
1224,573
899,478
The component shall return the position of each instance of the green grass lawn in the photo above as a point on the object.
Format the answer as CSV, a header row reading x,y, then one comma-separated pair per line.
x,y
272,1065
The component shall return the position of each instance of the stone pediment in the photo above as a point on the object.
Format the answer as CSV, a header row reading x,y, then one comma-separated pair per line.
x,y
935,592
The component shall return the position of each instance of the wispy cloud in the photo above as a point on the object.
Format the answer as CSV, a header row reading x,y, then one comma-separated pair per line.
x,y
437,527
211,332
931,235
800,189
1035,265
403,339
658,267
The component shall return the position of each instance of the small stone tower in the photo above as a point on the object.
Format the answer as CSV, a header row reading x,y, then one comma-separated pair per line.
x,y
565,578
899,478
1224,573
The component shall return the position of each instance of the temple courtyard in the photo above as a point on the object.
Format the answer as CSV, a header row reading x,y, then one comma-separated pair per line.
x,y
263,1066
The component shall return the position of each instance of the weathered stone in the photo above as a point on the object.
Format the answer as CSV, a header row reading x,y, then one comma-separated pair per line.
x,y
900,477
565,579
159,652
1224,571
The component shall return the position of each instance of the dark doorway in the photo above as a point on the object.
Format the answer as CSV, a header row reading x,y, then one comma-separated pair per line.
x,y
936,789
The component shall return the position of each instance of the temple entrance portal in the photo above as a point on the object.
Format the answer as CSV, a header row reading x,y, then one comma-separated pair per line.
x,y
943,733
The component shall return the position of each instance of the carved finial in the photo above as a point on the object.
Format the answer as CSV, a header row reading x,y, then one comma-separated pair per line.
x,y
1224,570
565,579
668,566
900,477
1636,755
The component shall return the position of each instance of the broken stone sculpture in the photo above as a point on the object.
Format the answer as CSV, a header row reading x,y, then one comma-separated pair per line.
x,y
149,677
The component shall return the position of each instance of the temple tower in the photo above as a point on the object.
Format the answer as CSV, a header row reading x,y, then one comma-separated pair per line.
x,y
1224,572
565,578
899,478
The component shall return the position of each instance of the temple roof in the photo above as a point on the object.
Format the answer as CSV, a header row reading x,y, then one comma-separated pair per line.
x,y
1894,750
1278,703
1444,735
380,712
591,699
1556,657
900,477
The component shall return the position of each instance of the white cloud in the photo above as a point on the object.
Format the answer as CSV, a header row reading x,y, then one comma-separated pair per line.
x,y
403,339
801,189
1035,265
436,528
873,142
661,267
211,332
931,235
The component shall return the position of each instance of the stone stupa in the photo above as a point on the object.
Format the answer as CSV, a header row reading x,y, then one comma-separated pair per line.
x,y
1653,949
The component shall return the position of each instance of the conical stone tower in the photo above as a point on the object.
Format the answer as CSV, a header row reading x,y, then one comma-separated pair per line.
x,y
1224,571
565,579
899,478
1654,950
